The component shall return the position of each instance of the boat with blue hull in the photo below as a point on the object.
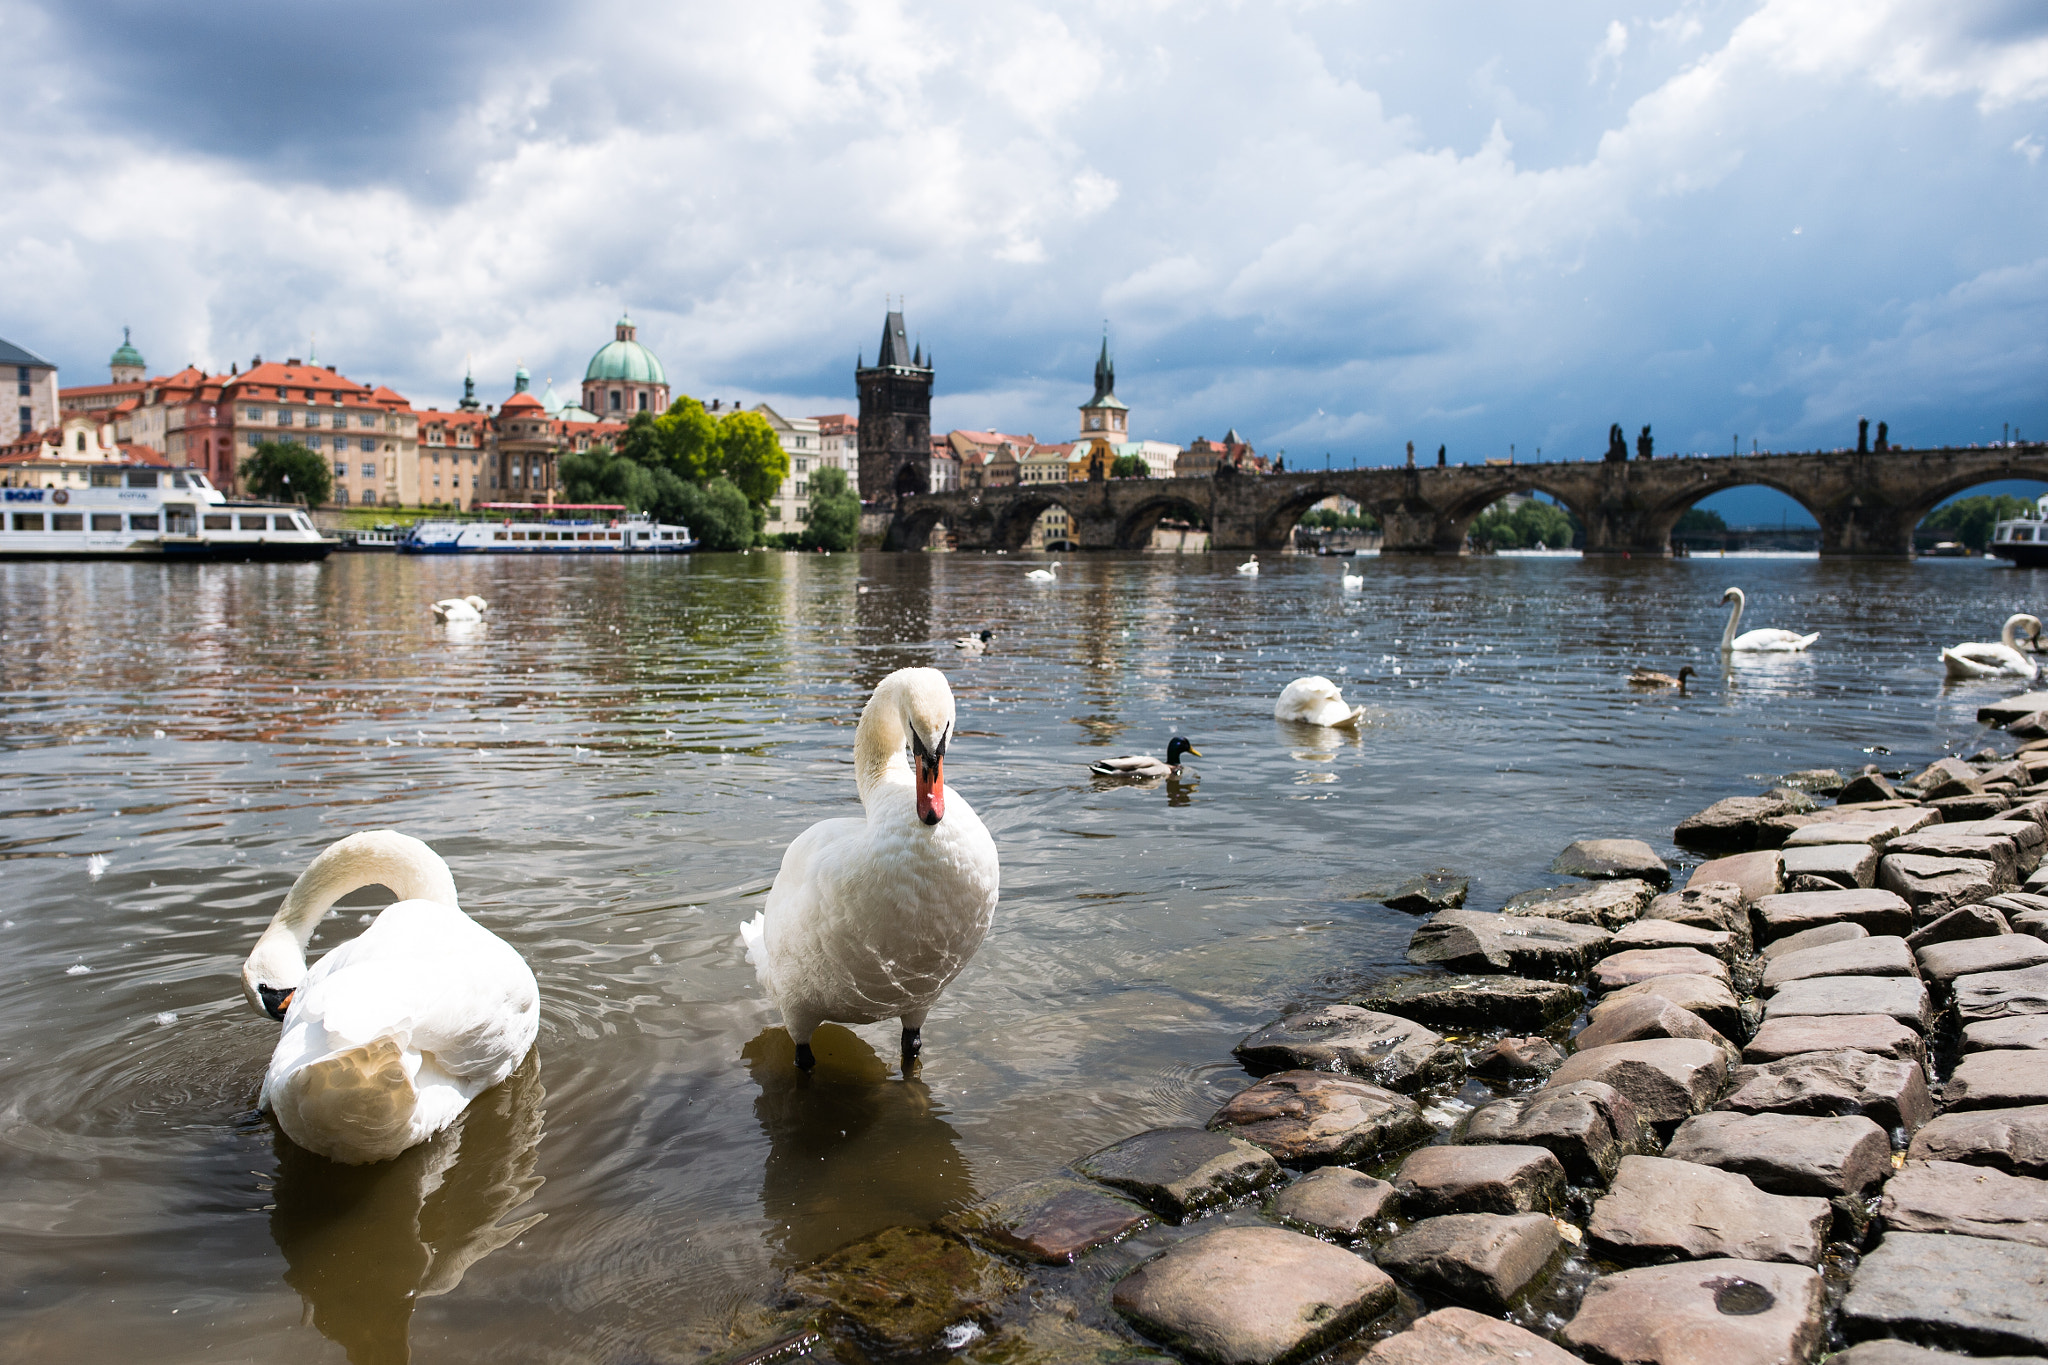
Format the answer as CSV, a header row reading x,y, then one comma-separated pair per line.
x,y
550,529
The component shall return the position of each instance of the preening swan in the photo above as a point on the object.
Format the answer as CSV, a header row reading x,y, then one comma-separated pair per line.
x,y
1649,677
1353,581
871,918
1045,575
974,644
470,608
1144,765
390,1035
1250,566
1759,641
2004,659
1315,701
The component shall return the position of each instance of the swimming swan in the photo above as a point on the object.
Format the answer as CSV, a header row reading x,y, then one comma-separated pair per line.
x,y
1045,575
1250,566
1144,765
1759,641
451,609
2004,659
871,918
391,1034
1315,701
1353,581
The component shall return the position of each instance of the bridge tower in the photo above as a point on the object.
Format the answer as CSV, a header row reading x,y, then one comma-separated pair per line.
x,y
895,418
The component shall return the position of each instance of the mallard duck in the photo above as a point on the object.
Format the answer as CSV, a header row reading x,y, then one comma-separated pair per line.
x,y
1144,765
1650,677
974,644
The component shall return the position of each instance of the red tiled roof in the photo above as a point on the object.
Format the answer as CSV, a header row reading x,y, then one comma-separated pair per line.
x,y
521,402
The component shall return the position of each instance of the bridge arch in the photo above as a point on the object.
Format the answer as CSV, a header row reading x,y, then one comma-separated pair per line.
x,y
912,527
1456,518
1134,529
1915,510
1013,520
1656,523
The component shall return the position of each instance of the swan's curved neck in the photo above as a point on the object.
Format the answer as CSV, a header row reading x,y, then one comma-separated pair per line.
x,y
2011,634
1734,621
378,857
878,744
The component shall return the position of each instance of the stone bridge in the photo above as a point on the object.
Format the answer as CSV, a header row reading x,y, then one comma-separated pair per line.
x,y
1866,503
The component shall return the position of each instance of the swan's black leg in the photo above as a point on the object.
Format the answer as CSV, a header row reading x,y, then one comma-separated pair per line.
x,y
913,1046
804,1059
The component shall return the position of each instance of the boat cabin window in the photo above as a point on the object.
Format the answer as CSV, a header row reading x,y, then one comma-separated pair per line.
x,y
255,523
28,521
67,521
142,521
142,478
182,519
299,520
219,523
106,478
106,521
2022,533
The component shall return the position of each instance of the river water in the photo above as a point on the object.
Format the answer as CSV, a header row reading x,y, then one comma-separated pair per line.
x,y
612,767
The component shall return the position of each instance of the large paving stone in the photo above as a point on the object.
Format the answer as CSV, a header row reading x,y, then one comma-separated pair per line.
x,y
1382,1048
900,1291
1905,1353
1312,1118
1483,1259
1484,1179
2010,709
1869,832
1709,997
1935,886
1604,859
1721,1312
2011,1140
1657,1209
2019,1030
1878,911
1890,1093
1788,1153
1792,1035
1664,933
1716,905
1606,905
1959,809
1759,874
1046,1337
1830,865
1051,1221
1439,890
1180,1171
1634,965
1666,1079
1459,1336
1627,1019
1820,936
2004,1079
1940,772
1589,1126
1518,1059
2001,995
1338,1201
1737,822
1966,1201
1972,1293
1903,998
1886,955
1944,841
1866,787
2026,833
1944,962
1470,941
1251,1295
1971,921
1476,1002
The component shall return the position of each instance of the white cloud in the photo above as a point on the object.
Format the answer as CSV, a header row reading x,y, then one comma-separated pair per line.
x,y
1610,51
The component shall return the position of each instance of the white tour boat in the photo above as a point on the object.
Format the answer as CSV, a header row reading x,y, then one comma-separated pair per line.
x,y
147,512
543,528
2023,540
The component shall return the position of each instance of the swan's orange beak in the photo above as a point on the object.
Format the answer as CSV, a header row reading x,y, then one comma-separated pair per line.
x,y
931,788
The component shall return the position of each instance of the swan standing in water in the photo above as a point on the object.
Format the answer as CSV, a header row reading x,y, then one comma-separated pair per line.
x,y
390,1035
1315,701
464,609
1984,660
1144,765
1759,641
1050,575
1250,566
871,918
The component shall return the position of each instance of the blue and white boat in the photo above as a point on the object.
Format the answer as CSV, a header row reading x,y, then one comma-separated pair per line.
x,y
151,512
542,528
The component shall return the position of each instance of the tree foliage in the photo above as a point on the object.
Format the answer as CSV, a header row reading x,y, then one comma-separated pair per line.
x,y
1330,519
687,440
751,457
835,513
1700,521
1971,520
1131,466
1524,527
285,471
718,514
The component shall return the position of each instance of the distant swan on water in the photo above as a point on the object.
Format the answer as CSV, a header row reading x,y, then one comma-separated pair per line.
x,y
1765,641
1250,566
1315,700
1049,575
2004,659
1353,581
451,609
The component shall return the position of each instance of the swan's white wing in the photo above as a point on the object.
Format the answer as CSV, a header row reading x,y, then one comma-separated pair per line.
x,y
1769,641
792,903
1984,660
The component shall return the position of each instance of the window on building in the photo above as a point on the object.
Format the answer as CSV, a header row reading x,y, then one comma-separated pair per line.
x,y
28,419
284,419
803,488
617,400
79,443
369,469
341,497
643,402
802,465
312,443
341,469
369,443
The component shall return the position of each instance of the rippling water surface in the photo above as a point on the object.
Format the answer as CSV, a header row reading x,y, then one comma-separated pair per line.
x,y
613,766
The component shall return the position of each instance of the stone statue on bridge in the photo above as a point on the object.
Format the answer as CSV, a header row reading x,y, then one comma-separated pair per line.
x,y
1862,435
1617,444
1439,457
1645,447
1883,437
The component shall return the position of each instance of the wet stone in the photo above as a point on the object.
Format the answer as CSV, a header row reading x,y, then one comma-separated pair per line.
x,y
2001,995
1935,886
1252,1295
1483,1259
1336,1200
1878,911
2010,709
1972,921
1971,1293
1891,1093
1179,1171
1870,831
2019,1030
1788,1153
1963,808
1589,1126
1459,1336
1312,1118
899,1291
1736,823
1382,1048
1483,1179
1440,890
1759,874
1624,1020
1866,787
1820,781
1831,865
1470,941
1966,1201
1709,997
1819,936
1053,1338
2003,1079
1904,1353
1886,955
1708,905
1717,1312
2011,1140
1901,997
1518,1059
1665,1079
1879,1034
1664,933
1607,905
1476,1002
1942,841
1658,1209
1634,965
1601,859
2025,832
1940,771
1944,962
1052,1221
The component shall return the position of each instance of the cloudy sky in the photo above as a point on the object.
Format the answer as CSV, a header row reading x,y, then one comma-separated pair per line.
x,y
1337,227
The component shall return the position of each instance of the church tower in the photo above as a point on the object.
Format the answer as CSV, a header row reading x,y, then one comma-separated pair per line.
x,y
1103,418
895,417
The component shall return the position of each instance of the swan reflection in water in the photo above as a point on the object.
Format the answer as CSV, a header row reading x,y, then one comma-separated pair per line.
x,y
362,1244
851,1149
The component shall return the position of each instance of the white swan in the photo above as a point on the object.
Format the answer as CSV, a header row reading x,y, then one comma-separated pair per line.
x,y
871,918
1353,581
1045,575
390,1035
1982,660
1250,566
1315,701
1759,641
453,609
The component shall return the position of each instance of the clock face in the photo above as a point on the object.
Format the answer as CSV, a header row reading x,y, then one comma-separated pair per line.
x,y
1094,424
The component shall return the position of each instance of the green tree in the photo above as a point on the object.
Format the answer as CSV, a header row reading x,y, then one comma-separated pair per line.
x,y
641,442
1130,466
285,471
1524,527
835,513
1972,520
1700,521
717,513
751,456
688,440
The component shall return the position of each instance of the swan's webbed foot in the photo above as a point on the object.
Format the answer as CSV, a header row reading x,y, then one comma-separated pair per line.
x,y
913,1048
805,1058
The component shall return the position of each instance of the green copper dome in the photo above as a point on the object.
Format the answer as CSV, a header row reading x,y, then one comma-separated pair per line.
x,y
127,354
625,359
